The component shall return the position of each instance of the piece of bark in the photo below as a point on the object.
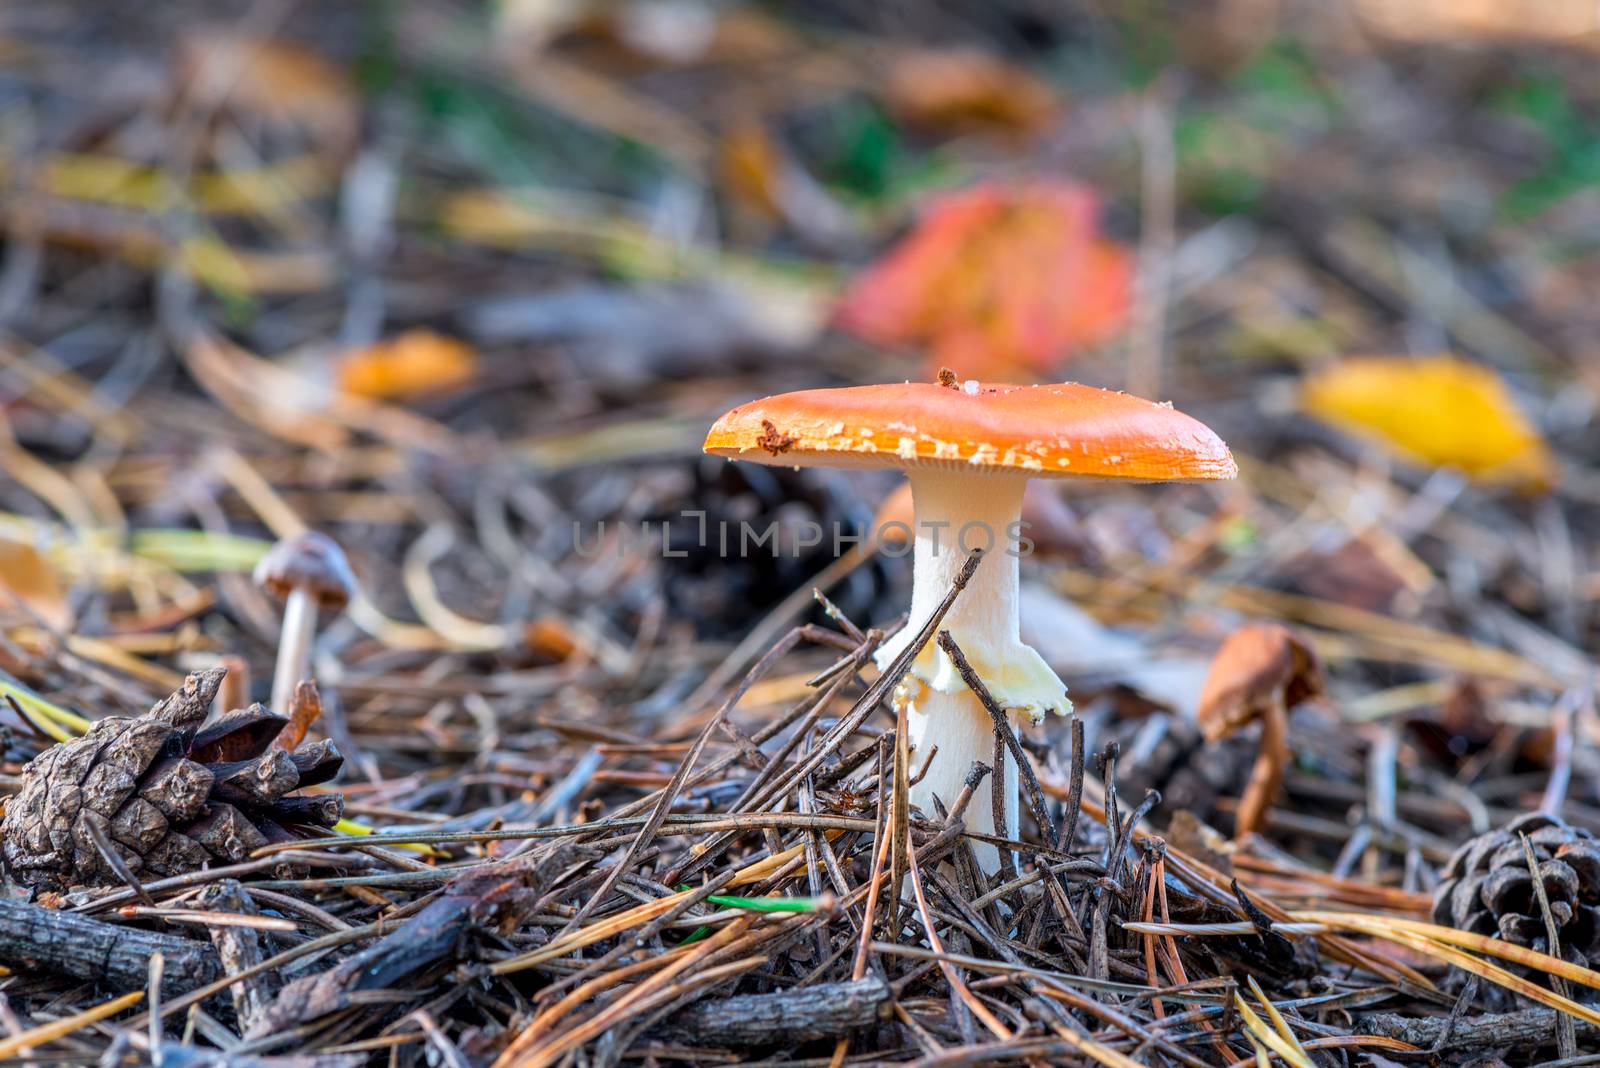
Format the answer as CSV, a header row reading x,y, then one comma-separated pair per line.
x,y
239,735
89,950
258,781
178,787
240,949
225,833
488,898
785,1018
1525,1031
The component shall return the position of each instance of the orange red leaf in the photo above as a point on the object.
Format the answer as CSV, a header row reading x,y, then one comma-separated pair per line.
x,y
997,280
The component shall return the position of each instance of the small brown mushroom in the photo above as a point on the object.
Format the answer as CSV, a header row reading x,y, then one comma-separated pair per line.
x,y
309,573
1261,672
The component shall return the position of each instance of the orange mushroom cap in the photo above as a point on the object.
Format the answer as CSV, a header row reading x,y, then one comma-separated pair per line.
x,y
1258,666
1050,431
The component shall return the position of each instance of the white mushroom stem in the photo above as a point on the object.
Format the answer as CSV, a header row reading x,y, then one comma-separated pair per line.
x,y
294,646
958,511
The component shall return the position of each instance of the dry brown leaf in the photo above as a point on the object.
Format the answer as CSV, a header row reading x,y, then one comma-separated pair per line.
x,y
1440,411
750,167
1353,573
657,33
282,82
551,637
1558,22
27,577
961,89
1221,36
415,363
305,708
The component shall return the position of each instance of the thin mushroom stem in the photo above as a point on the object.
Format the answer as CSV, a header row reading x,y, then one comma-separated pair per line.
x,y
1563,727
1266,775
294,647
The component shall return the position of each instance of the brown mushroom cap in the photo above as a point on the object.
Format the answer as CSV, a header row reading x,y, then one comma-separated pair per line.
x,y
896,517
1055,431
1258,666
309,561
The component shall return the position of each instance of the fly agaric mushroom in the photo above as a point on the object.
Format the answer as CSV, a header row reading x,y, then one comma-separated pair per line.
x,y
1261,671
968,451
309,573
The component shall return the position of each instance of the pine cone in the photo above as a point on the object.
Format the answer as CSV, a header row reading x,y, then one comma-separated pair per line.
x,y
1488,889
163,794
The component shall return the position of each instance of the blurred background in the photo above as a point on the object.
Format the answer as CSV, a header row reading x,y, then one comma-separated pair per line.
x,y
445,280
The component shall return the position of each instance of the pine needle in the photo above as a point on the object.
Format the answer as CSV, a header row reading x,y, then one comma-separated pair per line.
x,y
1291,1052
38,1036
60,724
1379,926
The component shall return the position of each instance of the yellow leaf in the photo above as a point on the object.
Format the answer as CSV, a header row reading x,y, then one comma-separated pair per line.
x,y
416,362
124,183
1440,411
241,273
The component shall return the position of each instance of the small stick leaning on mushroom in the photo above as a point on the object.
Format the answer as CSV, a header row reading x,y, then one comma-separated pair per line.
x,y
968,450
